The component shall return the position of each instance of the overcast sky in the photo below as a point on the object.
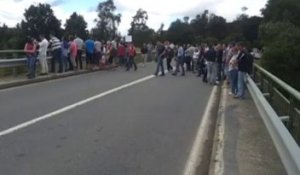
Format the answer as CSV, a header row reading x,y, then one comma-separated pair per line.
x,y
159,11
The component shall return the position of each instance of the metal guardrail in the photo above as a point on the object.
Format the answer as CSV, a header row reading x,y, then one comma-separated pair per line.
x,y
272,90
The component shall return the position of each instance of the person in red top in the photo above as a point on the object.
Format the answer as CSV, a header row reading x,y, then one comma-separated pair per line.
x,y
121,54
30,50
131,53
73,52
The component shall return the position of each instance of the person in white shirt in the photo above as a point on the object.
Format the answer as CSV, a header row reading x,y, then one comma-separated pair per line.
x,y
80,44
195,60
42,56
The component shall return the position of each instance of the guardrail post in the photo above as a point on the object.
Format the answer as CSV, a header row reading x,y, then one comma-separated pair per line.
x,y
290,113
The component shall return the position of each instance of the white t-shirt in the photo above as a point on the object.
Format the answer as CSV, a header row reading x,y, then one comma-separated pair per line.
x,y
233,63
43,47
79,43
196,55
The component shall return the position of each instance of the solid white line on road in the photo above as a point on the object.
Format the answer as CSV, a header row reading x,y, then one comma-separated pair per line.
x,y
67,108
199,142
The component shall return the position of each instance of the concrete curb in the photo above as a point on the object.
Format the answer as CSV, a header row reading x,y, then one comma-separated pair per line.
x,y
216,166
48,78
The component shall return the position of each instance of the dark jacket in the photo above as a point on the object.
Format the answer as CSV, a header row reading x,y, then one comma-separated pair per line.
x,y
211,55
243,63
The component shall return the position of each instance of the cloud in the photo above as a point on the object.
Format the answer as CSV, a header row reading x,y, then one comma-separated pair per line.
x,y
57,2
159,11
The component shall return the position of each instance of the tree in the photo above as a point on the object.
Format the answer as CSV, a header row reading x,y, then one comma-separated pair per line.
x,y
107,21
11,37
40,19
216,27
76,25
199,24
280,35
139,30
180,32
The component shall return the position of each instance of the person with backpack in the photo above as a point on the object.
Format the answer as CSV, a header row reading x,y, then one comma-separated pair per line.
x,y
131,55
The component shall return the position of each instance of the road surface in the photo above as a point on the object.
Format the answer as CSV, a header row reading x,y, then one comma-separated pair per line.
x,y
147,128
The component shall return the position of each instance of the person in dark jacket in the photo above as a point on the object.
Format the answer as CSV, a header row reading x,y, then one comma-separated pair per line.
x,y
243,67
161,51
211,60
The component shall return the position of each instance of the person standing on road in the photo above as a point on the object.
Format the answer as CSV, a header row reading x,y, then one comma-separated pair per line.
x,y
121,54
80,44
42,56
73,53
144,51
65,53
211,59
242,70
89,50
180,61
56,53
196,56
160,56
98,53
219,60
233,72
30,50
131,56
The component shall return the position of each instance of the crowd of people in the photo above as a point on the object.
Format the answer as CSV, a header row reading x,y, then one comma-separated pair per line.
x,y
213,63
67,53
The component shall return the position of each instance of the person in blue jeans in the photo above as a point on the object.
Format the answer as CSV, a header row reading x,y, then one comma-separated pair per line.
x,y
30,50
233,72
180,61
160,56
242,70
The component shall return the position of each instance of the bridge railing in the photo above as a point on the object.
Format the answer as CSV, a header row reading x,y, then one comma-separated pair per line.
x,y
278,104
13,59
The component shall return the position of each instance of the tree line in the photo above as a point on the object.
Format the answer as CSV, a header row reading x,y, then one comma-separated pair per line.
x,y
277,31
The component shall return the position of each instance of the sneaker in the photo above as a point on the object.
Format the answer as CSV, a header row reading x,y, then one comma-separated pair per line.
x,y
230,93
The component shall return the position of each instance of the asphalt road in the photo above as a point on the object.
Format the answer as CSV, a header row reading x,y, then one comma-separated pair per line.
x,y
144,129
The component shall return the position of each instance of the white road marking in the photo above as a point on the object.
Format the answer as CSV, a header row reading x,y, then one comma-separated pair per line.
x,y
199,142
72,106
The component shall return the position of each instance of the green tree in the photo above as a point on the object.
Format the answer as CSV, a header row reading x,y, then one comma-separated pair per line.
x,y
76,25
280,36
180,32
40,19
139,30
11,37
107,21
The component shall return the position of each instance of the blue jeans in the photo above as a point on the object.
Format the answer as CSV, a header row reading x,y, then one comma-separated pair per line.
x,y
234,81
160,64
31,62
241,84
179,64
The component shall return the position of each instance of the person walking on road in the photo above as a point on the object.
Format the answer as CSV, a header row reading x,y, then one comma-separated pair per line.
x,y
160,56
56,54
80,44
30,50
180,61
42,56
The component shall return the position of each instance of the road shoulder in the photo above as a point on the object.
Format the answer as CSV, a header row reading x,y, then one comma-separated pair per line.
x,y
242,143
